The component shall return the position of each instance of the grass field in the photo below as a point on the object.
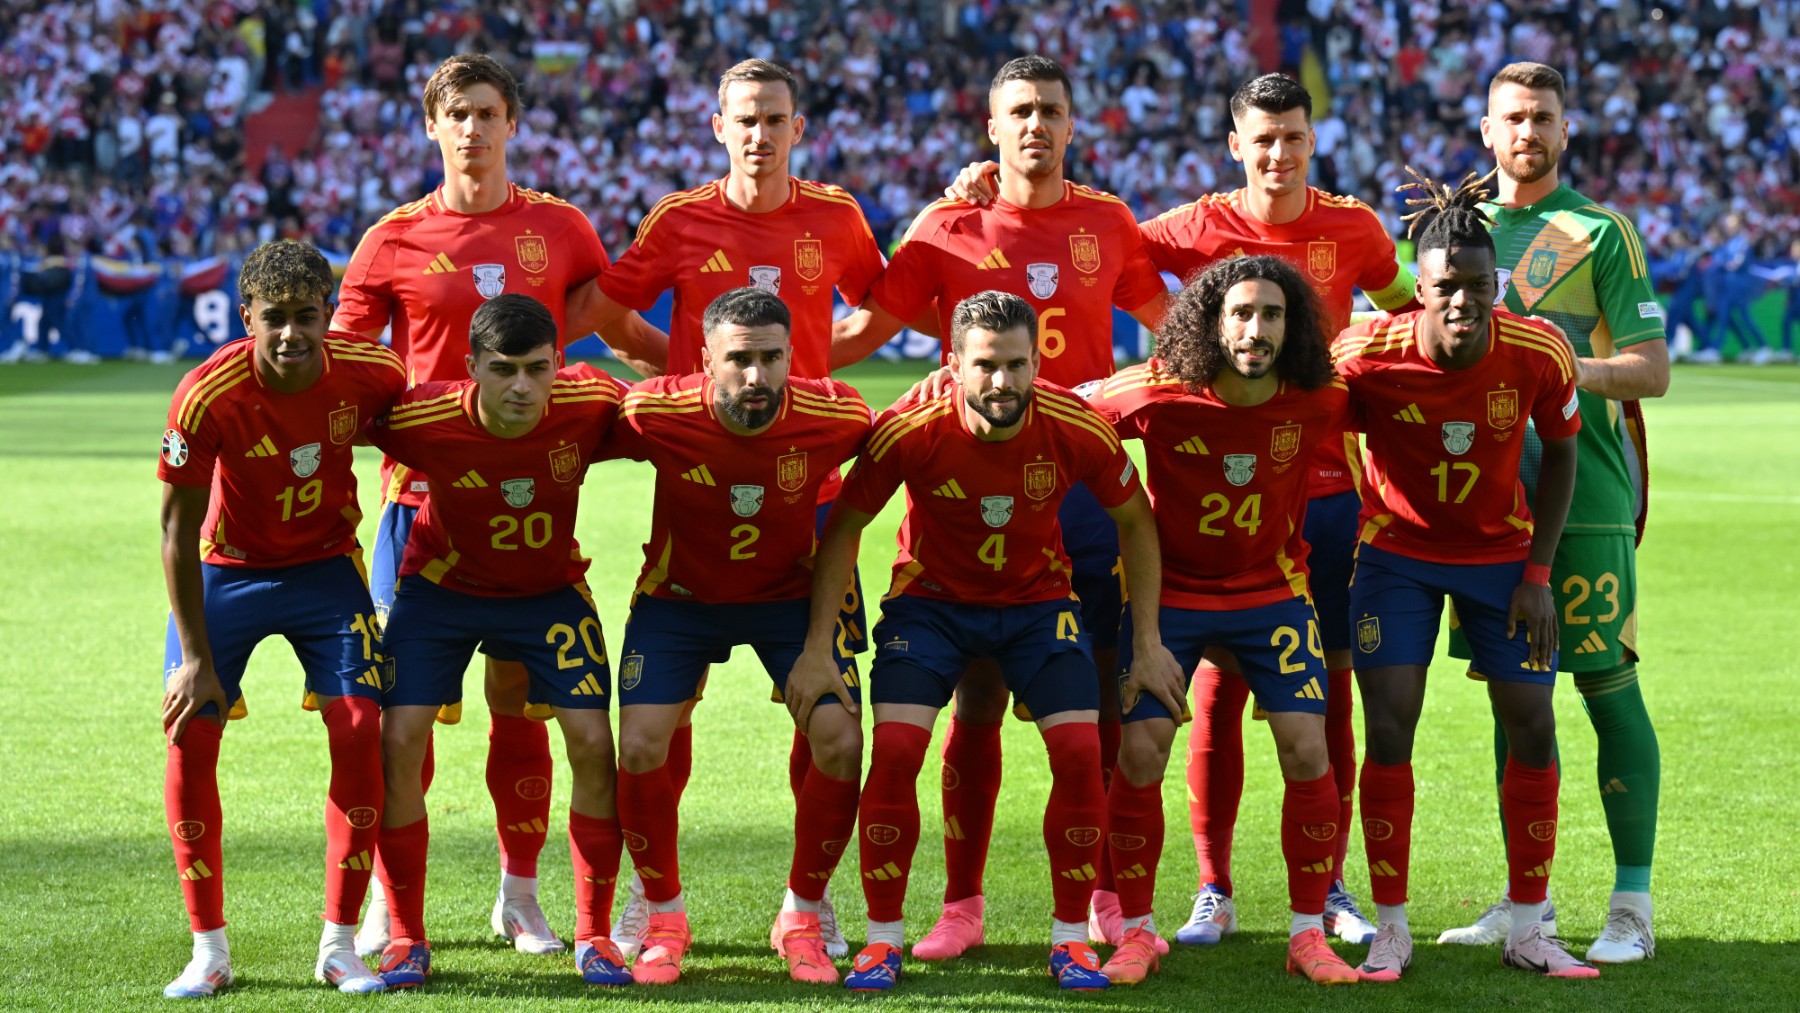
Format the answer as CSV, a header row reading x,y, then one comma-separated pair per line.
x,y
97,916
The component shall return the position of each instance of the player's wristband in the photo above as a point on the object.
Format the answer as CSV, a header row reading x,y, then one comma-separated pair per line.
x,y
1537,573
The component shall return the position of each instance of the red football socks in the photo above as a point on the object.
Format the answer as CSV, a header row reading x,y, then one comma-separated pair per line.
x,y
1134,824
1215,770
352,804
518,777
403,851
1110,734
1309,841
1073,817
1528,802
1387,806
1340,747
652,831
971,786
888,815
191,802
824,820
594,850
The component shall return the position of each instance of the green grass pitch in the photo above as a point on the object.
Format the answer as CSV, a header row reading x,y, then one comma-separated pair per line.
x,y
96,920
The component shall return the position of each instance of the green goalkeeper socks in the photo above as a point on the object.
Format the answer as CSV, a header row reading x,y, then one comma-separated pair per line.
x,y
1629,765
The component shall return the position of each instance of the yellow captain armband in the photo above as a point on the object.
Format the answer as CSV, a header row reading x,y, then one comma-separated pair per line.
x,y
1395,294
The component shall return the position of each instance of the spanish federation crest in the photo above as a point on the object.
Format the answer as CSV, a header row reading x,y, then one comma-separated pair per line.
x,y
1368,634
1084,251
766,278
1541,268
809,259
305,460
1284,443
342,424
746,500
1321,260
1240,468
631,671
534,253
490,279
1042,279
1458,436
790,471
996,510
1503,408
565,463
518,491
1040,479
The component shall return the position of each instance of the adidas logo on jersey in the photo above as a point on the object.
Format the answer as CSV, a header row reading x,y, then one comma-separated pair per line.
x,y
1310,691
265,447
1410,413
949,490
700,475
715,264
440,264
470,481
994,261
1192,445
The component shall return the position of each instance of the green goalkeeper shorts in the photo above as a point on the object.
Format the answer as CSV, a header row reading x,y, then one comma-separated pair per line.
x,y
1594,581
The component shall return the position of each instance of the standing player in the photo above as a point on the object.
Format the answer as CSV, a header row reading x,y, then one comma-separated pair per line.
x,y
1441,394
259,523
1582,266
759,226
981,572
424,270
1229,416
1073,254
492,561
740,452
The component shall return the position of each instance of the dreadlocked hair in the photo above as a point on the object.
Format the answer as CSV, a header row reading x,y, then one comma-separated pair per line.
x,y
1448,218
1188,341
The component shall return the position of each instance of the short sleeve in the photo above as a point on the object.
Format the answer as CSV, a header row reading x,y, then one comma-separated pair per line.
x,y
190,446
1140,281
1623,288
911,280
366,296
865,262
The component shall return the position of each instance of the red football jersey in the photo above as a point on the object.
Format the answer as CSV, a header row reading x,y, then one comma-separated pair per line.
x,y
697,243
980,523
1442,482
426,269
500,517
1073,261
1228,482
734,515
278,464
1338,245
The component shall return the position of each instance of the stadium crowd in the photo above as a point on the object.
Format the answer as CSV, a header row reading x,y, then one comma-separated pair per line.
x,y
129,140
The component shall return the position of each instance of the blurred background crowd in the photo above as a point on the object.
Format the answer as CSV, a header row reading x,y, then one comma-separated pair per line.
x,y
155,131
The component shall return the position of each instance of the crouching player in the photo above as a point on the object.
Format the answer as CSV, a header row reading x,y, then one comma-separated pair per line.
x,y
258,540
740,452
492,560
1229,417
982,573
1442,394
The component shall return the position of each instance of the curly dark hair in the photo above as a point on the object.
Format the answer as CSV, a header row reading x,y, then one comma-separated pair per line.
x,y
1188,343
285,270
1448,218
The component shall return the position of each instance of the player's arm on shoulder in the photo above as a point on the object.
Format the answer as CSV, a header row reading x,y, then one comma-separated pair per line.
x,y
1153,668
815,671
193,684
633,339
978,183
1154,309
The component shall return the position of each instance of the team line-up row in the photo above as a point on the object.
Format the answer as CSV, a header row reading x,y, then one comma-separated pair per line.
x,y
1025,524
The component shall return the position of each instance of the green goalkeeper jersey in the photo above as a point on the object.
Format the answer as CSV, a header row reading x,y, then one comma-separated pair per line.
x,y
1582,267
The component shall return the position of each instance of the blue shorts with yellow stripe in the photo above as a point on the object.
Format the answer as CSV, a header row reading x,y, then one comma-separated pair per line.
x,y
1091,539
1398,604
323,610
1276,646
853,621
1330,532
432,633
922,646
669,644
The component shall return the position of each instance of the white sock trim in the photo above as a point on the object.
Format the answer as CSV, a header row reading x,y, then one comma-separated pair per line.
x,y
891,933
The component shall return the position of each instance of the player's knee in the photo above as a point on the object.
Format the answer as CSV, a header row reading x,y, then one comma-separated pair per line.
x,y
1303,758
837,751
1142,758
353,723
641,751
1387,738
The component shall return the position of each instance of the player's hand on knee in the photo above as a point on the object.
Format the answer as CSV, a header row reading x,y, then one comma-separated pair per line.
x,y
976,184
189,689
1153,671
813,677
932,387
1533,606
